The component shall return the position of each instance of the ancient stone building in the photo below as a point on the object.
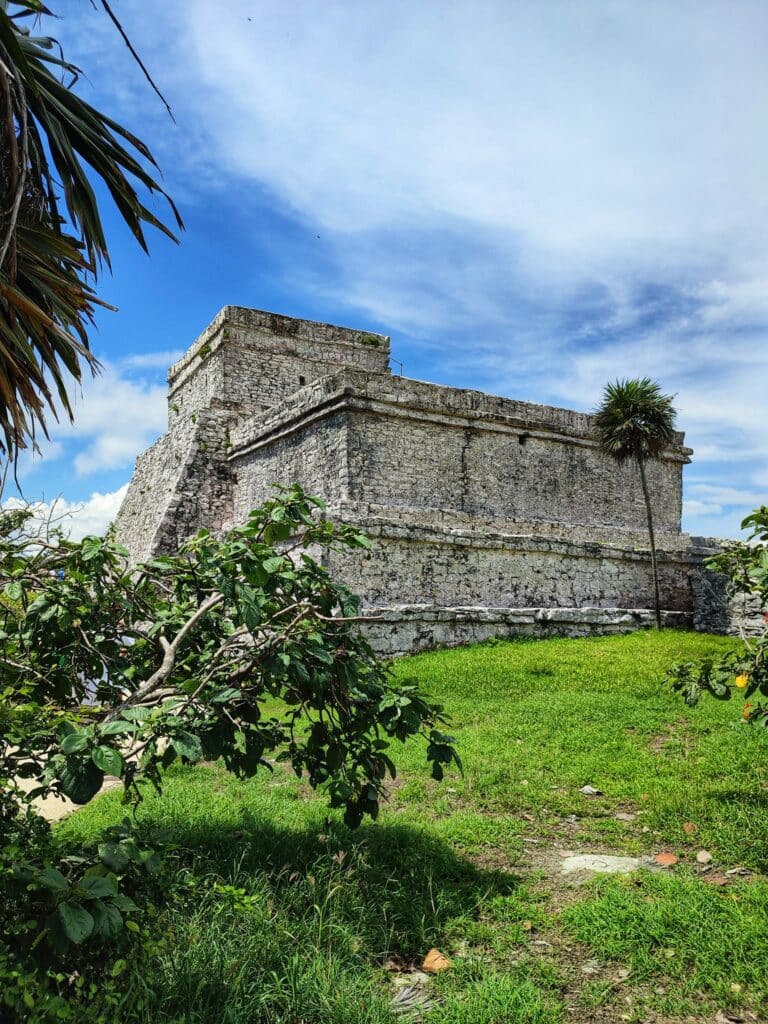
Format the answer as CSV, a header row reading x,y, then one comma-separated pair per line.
x,y
488,516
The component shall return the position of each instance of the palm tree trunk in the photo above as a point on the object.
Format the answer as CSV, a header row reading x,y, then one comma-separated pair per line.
x,y
652,538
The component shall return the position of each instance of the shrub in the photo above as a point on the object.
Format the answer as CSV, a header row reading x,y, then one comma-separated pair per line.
x,y
743,672
240,648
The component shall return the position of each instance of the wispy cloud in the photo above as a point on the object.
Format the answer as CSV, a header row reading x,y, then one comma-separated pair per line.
x,y
115,419
535,199
152,360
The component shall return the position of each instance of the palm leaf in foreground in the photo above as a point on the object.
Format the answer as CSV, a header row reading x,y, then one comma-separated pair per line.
x,y
52,241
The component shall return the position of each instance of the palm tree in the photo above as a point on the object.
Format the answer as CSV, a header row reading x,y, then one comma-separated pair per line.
x,y
52,243
636,421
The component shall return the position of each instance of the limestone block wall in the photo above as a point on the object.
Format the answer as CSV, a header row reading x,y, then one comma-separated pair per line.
x,y
248,361
409,629
488,516
155,480
716,609
313,455
495,469
503,571
181,483
410,445
245,361
460,513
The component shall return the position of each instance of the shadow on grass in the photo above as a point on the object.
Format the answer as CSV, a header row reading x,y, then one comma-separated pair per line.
x,y
312,917
398,886
742,798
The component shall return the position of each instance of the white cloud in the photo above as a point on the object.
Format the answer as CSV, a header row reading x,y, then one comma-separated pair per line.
x,y
701,508
593,134
78,519
115,418
543,196
153,360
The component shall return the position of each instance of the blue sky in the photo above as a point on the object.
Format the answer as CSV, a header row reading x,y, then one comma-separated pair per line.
x,y
531,198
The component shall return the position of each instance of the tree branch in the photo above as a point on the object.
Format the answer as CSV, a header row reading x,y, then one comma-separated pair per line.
x,y
170,650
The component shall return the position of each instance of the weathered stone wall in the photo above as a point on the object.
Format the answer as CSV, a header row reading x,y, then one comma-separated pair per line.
x,y
490,468
488,516
414,445
716,608
245,361
248,361
314,456
502,571
181,483
406,629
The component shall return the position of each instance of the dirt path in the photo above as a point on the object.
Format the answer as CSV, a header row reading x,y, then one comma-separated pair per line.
x,y
54,808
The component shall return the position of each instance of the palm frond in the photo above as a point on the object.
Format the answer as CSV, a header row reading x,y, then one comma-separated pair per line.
x,y
635,420
52,240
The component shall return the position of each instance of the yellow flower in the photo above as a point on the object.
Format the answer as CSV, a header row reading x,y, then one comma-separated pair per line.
x,y
741,680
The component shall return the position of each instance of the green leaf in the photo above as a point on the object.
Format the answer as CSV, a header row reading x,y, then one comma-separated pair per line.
x,y
124,903
107,921
14,591
136,714
272,565
96,887
118,727
74,742
114,856
76,922
52,878
81,781
224,696
108,760
187,745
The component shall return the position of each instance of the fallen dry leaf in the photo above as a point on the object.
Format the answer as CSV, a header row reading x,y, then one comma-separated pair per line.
x,y
435,961
689,827
591,791
565,853
666,860
703,857
527,926
716,880
625,816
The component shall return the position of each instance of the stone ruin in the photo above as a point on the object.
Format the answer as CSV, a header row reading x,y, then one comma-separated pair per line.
x,y
488,516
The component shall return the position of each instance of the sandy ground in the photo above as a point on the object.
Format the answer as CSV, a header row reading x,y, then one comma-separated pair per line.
x,y
54,808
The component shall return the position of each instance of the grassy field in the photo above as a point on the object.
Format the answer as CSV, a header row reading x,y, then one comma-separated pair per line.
x,y
286,917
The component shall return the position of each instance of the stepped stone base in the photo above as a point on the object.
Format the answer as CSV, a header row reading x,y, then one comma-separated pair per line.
x,y
408,629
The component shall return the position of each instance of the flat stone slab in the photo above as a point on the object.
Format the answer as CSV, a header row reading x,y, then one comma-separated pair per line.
x,y
600,862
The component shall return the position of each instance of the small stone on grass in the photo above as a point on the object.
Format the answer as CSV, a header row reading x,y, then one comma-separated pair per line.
x,y
600,862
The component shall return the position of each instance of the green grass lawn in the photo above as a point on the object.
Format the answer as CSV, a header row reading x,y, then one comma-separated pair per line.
x,y
319,920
